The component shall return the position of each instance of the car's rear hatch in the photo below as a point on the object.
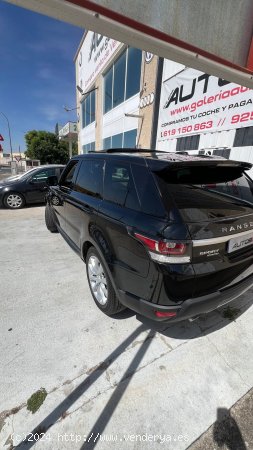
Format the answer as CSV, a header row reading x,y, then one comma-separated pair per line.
x,y
214,198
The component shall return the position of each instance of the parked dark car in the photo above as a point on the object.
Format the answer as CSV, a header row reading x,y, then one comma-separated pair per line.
x,y
167,235
29,187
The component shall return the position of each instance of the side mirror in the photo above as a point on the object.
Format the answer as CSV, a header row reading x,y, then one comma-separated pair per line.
x,y
52,181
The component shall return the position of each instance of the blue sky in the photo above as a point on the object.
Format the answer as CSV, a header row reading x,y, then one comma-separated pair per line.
x,y
37,72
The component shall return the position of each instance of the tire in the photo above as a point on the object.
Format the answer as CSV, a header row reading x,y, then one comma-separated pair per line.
x,y
102,292
14,200
49,220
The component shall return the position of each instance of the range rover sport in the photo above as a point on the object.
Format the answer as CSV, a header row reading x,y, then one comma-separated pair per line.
x,y
167,235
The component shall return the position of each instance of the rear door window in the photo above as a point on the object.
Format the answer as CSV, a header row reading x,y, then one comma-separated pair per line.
x,y
204,193
90,178
119,186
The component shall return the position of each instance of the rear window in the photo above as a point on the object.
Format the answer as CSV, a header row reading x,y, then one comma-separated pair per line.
x,y
204,193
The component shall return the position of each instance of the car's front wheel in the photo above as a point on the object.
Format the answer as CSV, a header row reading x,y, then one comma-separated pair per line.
x,y
49,220
14,200
100,284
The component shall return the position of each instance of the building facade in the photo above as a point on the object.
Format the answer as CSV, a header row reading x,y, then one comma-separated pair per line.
x,y
130,98
119,85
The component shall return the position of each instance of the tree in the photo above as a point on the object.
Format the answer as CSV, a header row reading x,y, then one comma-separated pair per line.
x,y
56,130
46,147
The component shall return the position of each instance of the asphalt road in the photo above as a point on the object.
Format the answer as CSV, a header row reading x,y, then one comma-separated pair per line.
x,y
120,382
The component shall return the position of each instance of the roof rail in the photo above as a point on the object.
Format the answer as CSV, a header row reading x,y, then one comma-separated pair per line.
x,y
126,150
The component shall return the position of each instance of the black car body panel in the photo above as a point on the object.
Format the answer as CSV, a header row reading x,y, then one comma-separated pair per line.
x,y
189,308
174,231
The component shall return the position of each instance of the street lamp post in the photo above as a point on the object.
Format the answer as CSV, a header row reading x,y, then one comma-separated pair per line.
x,y
9,133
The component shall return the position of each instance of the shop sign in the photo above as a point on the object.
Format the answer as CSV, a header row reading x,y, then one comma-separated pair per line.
x,y
193,102
94,54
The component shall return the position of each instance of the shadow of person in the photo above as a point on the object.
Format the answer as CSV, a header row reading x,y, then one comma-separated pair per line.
x,y
226,431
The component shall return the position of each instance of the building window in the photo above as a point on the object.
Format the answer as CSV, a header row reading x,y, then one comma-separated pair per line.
x,y
119,74
224,152
188,143
90,147
107,143
130,139
108,91
117,141
121,140
122,80
88,109
243,137
133,71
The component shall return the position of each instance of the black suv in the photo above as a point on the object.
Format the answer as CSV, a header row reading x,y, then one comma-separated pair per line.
x,y
167,235
29,187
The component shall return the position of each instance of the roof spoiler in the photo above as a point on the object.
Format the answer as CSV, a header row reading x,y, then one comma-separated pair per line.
x,y
209,162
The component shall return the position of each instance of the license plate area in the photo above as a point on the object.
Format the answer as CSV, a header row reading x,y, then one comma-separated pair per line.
x,y
239,243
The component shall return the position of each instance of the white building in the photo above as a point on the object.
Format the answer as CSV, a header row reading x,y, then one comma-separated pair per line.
x,y
133,98
109,72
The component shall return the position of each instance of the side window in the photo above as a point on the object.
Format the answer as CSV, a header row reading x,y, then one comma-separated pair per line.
x,y
148,193
41,177
90,178
119,185
68,174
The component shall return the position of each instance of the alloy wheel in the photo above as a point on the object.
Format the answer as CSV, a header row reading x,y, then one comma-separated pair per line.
x,y
14,201
97,280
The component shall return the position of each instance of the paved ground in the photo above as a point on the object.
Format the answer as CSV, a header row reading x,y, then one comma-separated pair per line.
x,y
122,382
232,430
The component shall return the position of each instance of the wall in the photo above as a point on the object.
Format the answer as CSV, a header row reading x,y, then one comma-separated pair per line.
x,y
147,99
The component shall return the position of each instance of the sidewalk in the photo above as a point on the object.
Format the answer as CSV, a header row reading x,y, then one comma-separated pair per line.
x,y
233,429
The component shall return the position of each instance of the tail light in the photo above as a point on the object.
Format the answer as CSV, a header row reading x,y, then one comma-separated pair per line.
x,y
166,251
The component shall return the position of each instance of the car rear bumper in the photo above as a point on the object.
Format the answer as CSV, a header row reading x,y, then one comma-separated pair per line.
x,y
189,308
